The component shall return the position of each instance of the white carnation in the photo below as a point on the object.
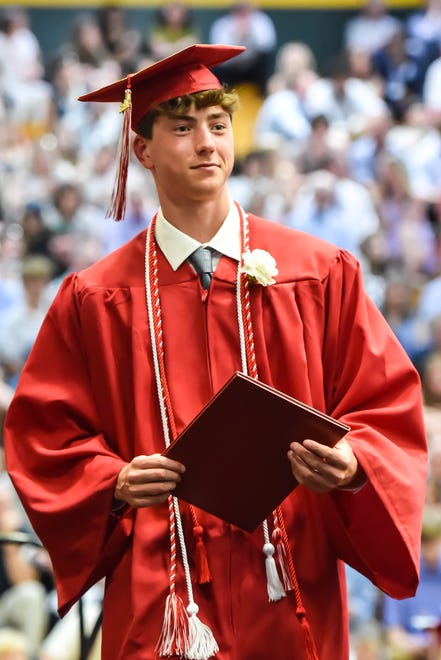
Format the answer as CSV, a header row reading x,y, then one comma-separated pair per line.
x,y
260,266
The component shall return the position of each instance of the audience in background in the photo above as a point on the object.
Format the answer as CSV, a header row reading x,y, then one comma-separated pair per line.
x,y
245,25
349,150
173,29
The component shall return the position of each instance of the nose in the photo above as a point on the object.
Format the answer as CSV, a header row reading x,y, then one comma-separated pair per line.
x,y
204,140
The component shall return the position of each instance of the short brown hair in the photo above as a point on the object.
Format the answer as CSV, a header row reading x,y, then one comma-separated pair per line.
x,y
228,100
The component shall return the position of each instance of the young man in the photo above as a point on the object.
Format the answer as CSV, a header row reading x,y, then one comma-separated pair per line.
x,y
133,348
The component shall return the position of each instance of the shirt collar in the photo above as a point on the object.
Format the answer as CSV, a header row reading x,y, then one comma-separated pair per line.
x,y
177,246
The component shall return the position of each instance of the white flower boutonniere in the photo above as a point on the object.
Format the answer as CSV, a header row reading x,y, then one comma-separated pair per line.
x,y
260,266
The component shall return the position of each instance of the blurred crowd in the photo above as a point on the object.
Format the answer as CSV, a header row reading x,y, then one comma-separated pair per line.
x,y
349,150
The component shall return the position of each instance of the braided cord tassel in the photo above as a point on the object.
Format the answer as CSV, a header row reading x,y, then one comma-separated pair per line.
x,y
249,363
281,551
182,634
309,644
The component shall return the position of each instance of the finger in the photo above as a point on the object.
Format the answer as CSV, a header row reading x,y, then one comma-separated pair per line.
x,y
309,458
157,461
152,475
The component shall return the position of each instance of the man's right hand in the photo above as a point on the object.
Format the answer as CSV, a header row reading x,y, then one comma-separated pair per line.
x,y
147,480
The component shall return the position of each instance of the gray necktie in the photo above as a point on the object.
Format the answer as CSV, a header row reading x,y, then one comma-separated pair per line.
x,y
202,261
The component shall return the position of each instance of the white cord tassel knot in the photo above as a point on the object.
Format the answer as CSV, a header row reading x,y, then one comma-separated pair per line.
x,y
274,585
202,642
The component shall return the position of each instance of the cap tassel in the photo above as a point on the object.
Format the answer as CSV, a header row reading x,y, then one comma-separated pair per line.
x,y
203,575
117,207
174,637
202,642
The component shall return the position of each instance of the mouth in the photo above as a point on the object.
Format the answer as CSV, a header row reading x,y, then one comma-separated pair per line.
x,y
204,166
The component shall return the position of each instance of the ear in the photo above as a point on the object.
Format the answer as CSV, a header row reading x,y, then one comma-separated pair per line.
x,y
141,147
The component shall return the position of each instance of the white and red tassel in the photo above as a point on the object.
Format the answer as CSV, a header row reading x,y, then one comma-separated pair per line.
x,y
174,637
282,559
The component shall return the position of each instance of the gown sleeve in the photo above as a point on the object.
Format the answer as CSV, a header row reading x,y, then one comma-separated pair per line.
x,y
58,458
372,386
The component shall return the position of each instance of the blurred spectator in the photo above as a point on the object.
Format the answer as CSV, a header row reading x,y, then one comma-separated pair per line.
x,y
410,238
371,28
399,309
294,60
317,211
23,598
22,86
70,214
349,104
250,181
412,625
417,145
402,72
424,29
63,640
363,605
244,25
86,40
432,90
13,645
86,45
354,197
429,305
20,324
36,235
140,210
281,120
11,255
173,29
318,148
76,251
431,374
6,393
122,41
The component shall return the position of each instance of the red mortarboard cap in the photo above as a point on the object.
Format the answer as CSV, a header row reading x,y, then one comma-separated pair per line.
x,y
184,72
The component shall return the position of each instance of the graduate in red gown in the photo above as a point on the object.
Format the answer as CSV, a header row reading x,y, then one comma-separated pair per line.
x,y
131,350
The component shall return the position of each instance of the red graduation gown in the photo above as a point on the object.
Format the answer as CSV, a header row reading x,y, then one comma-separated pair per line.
x,y
86,403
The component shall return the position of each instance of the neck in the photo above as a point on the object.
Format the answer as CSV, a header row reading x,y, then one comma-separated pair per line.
x,y
200,220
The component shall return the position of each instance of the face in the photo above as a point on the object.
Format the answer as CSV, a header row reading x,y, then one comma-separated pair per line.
x,y
191,156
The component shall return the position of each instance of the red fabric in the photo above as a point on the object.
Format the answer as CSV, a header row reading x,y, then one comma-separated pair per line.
x,y
86,403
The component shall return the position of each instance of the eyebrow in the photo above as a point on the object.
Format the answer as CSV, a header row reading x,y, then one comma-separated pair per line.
x,y
193,120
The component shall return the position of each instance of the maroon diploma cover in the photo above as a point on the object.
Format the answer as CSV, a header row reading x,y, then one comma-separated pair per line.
x,y
235,450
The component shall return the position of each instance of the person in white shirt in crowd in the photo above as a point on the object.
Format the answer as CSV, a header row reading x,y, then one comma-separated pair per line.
x,y
20,324
423,28
351,105
371,28
281,120
22,81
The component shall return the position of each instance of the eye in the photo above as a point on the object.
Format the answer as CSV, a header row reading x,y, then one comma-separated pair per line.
x,y
218,127
181,128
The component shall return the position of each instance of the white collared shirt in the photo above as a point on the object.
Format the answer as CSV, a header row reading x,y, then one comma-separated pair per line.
x,y
177,246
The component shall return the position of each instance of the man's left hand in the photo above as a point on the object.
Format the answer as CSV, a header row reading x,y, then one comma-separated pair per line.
x,y
321,468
